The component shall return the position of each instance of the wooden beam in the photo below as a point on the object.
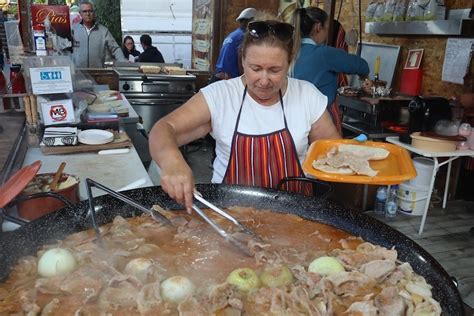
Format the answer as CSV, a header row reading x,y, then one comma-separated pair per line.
x,y
24,15
218,20
330,8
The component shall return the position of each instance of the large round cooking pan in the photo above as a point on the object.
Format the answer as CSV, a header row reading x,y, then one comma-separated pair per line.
x,y
27,239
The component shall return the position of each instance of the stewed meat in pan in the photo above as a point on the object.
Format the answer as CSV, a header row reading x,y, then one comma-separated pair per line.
x,y
145,268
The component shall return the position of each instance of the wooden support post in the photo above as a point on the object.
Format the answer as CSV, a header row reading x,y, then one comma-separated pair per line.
x,y
330,8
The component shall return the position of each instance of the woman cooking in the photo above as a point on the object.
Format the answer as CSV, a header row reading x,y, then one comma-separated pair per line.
x,y
319,63
262,121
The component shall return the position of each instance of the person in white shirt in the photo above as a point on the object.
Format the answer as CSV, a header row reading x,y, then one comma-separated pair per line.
x,y
263,121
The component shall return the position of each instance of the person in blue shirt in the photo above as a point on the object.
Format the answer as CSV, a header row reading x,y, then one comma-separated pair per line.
x,y
319,63
227,65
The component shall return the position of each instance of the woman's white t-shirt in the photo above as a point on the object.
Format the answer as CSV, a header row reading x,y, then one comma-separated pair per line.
x,y
303,105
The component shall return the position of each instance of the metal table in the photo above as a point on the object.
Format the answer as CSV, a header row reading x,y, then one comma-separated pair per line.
x,y
451,156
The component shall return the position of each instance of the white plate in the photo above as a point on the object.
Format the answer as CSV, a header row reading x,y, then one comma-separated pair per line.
x,y
95,137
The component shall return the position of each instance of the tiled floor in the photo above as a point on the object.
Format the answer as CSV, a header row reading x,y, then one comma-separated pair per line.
x,y
446,235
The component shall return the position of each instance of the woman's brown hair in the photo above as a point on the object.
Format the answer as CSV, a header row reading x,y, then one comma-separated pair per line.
x,y
304,19
126,38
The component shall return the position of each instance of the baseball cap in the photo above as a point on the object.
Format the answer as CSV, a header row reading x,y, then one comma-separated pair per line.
x,y
248,14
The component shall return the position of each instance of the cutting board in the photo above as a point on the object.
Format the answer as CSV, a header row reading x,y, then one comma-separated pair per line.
x,y
456,138
121,140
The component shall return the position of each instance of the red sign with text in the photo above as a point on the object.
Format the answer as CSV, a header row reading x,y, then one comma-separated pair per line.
x,y
58,16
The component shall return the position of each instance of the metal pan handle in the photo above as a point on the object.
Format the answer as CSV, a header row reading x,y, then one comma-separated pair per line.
x,y
44,194
21,221
13,219
316,183
155,83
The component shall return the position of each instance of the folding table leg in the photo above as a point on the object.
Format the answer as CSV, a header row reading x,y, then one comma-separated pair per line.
x,y
364,197
430,191
446,186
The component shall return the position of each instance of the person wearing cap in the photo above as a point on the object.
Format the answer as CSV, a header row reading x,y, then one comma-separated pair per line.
x,y
227,65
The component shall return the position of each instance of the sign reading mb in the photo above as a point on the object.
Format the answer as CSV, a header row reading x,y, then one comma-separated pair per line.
x,y
51,80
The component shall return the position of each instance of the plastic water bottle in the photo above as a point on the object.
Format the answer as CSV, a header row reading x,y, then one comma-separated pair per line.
x,y
391,204
380,199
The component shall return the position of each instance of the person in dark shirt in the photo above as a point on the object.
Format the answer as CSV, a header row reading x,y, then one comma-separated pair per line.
x,y
150,53
128,48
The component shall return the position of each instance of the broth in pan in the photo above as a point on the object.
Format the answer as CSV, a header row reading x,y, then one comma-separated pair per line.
x,y
145,268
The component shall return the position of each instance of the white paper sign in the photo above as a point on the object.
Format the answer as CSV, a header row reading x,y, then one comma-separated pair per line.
x,y
456,59
201,26
57,112
50,80
201,46
201,64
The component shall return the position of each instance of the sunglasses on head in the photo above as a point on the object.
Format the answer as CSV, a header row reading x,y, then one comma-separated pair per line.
x,y
282,31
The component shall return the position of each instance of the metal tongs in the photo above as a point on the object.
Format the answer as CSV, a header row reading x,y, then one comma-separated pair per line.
x,y
157,216
228,237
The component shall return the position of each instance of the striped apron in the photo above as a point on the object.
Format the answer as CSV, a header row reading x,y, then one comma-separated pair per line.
x,y
264,160
336,115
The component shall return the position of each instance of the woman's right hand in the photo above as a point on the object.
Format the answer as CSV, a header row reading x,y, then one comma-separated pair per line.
x,y
177,180
190,121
